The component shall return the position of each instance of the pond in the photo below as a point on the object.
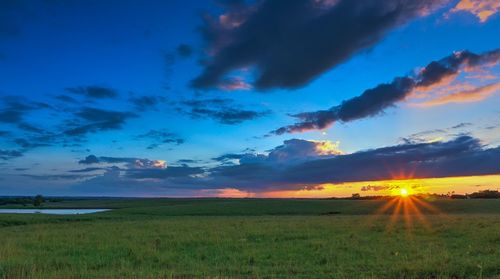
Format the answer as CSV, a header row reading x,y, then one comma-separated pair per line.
x,y
51,211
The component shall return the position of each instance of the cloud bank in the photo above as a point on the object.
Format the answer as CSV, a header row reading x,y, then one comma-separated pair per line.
x,y
299,164
375,100
290,43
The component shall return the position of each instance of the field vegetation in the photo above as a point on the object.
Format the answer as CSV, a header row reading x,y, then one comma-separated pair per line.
x,y
253,238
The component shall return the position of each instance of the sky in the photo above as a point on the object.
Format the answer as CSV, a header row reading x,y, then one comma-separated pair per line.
x,y
266,98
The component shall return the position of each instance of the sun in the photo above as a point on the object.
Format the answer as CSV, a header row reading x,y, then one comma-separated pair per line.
x,y
403,192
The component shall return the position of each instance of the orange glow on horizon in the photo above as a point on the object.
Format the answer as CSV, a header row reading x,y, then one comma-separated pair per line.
x,y
414,186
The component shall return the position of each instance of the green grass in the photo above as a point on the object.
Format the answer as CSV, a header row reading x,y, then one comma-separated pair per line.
x,y
226,238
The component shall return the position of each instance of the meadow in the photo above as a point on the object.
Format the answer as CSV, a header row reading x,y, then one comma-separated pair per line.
x,y
254,238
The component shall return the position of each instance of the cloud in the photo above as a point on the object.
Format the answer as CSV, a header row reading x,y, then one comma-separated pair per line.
x,y
138,168
93,92
482,9
228,157
234,83
290,43
461,156
291,151
286,167
375,100
57,176
160,137
144,103
91,159
98,120
66,99
169,172
462,125
10,154
130,162
374,188
223,111
184,50
473,95
302,164
87,170
15,108
30,128
298,149
188,161
28,144
10,116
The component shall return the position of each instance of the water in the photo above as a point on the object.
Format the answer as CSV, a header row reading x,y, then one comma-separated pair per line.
x,y
51,211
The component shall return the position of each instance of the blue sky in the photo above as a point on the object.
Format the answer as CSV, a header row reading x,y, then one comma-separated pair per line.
x,y
123,72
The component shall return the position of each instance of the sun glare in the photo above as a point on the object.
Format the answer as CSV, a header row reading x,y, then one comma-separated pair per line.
x,y
403,192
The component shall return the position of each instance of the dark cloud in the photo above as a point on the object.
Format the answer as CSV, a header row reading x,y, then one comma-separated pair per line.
x,y
188,161
221,110
228,116
26,144
159,137
144,103
291,151
375,100
30,128
10,116
228,157
98,120
433,134
94,92
375,188
91,159
87,170
14,109
184,50
139,168
165,173
21,169
130,162
459,157
292,42
66,99
461,125
57,176
9,154
283,169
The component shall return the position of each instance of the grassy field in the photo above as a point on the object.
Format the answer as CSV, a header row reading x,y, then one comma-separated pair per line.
x,y
231,238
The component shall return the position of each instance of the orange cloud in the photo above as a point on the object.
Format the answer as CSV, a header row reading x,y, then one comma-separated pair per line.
x,y
326,147
465,96
483,9
235,83
226,193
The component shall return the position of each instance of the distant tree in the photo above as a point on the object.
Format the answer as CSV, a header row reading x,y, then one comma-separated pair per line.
x,y
486,194
355,196
38,200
